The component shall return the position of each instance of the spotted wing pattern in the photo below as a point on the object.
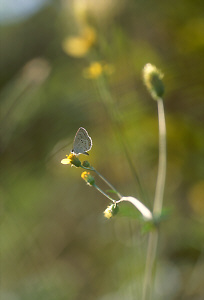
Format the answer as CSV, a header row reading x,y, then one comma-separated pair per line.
x,y
82,142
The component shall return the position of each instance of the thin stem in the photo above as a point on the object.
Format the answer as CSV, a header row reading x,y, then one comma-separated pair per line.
x,y
104,179
90,169
150,259
102,192
108,183
158,200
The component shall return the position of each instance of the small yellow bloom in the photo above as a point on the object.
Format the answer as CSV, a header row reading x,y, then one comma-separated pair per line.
x,y
78,46
71,159
153,80
93,71
88,178
110,211
96,69
75,46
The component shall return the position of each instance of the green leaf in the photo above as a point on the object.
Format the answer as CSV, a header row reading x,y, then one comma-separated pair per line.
x,y
111,191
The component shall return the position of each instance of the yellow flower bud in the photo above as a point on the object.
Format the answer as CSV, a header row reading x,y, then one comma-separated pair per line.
x,y
111,211
71,159
88,178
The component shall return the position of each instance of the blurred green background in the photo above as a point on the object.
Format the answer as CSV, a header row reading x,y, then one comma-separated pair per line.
x,y
55,242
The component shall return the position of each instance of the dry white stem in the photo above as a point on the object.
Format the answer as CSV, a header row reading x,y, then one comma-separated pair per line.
x,y
141,207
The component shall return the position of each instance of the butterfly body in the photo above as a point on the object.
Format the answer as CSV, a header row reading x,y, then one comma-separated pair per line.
x,y
82,142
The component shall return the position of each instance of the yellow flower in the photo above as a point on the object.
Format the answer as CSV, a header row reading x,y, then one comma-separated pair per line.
x,y
78,46
93,71
110,211
71,159
153,80
88,178
96,69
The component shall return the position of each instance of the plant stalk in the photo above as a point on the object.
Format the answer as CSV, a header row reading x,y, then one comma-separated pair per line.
x,y
157,207
102,192
108,183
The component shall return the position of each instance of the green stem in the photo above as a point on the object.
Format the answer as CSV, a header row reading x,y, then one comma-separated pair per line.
x,y
149,266
102,192
158,201
108,183
85,168
104,179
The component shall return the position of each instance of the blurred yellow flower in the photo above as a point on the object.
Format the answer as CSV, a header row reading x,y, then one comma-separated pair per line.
x,y
111,211
93,71
96,69
108,212
88,178
71,159
78,46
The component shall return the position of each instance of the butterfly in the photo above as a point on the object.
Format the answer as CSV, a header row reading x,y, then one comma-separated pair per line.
x,y
82,142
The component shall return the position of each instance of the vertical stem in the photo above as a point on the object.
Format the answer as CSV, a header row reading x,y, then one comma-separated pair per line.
x,y
157,208
158,200
150,259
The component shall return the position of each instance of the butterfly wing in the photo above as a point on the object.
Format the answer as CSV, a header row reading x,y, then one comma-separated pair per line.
x,y
82,142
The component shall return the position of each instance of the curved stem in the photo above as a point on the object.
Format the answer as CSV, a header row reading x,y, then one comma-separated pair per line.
x,y
139,205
